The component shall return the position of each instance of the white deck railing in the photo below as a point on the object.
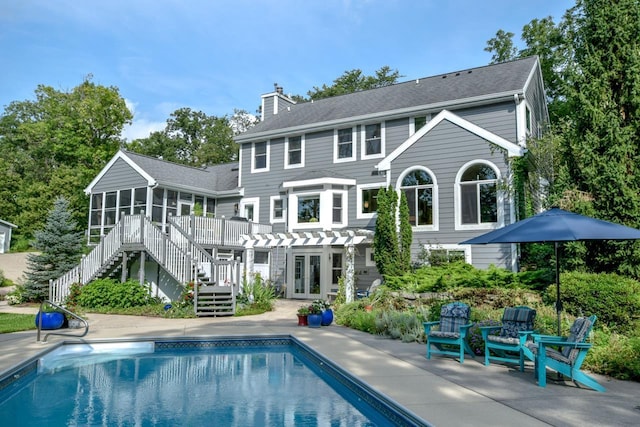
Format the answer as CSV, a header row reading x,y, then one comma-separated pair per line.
x,y
218,231
178,252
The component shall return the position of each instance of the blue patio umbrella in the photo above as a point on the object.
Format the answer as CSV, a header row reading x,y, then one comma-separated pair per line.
x,y
556,226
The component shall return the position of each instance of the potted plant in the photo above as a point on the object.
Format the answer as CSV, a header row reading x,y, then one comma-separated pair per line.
x,y
314,318
327,312
303,312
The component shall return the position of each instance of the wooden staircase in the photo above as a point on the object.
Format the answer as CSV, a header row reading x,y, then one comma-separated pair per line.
x,y
176,252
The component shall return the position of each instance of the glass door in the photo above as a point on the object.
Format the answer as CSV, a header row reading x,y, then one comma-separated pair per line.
x,y
307,276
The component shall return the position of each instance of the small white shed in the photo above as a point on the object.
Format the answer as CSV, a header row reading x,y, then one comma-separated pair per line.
x,y
5,235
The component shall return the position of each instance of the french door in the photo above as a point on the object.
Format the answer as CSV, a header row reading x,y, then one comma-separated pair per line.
x,y
307,275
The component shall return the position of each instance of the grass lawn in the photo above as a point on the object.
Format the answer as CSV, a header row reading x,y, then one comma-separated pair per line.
x,y
11,322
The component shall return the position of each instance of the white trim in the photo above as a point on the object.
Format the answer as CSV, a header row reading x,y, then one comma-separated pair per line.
x,y
253,156
512,149
436,222
359,188
240,167
255,201
354,138
368,262
272,200
318,181
458,202
286,153
452,247
363,142
120,155
325,222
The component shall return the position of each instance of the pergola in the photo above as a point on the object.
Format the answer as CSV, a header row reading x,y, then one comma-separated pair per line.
x,y
347,238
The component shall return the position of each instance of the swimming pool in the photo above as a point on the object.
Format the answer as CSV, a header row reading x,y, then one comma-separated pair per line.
x,y
242,381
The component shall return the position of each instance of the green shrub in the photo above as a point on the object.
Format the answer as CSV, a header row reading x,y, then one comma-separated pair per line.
x,y
112,293
402,325
615,355
353,315
256,297
613,298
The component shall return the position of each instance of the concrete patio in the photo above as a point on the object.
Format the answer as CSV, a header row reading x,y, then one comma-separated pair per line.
x,y
440,390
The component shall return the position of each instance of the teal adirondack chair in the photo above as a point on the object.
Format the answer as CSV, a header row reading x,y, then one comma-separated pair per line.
x,y
563,354
506,346
451,332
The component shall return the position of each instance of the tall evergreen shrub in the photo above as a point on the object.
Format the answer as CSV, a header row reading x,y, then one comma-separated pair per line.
x,y
60,247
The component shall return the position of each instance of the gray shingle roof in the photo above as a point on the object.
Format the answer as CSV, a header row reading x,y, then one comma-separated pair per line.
x,y
215,178
473,83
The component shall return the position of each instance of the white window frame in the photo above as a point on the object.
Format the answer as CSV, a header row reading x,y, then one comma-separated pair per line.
x,y
368,260
287,165
363,142
452,247
458,199
354,138
412,123
325,222
253,157
359,188
272,205
436,217
255,201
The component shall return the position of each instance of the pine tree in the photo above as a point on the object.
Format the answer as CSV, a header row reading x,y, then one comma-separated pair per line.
x,y
60,248
602,148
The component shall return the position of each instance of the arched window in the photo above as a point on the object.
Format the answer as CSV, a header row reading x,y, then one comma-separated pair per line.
x,y
418,186
478,195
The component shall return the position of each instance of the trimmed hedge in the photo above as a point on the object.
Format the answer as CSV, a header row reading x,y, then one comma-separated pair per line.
x,y
112,293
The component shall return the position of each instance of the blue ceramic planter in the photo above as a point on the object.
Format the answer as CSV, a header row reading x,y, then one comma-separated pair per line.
x,y
50,320
314,320
327,317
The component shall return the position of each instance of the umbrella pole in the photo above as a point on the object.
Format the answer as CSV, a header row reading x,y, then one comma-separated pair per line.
x,y
558,302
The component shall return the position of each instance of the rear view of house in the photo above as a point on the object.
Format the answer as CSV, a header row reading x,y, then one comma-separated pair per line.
x,y
299,207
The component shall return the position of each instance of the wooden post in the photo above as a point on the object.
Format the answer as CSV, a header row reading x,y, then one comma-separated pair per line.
x,y
141,271
123,275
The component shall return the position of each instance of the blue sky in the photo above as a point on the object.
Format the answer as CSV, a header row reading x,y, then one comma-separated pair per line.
x,y
217,55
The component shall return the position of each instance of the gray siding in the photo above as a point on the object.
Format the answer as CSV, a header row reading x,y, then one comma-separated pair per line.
x,y
119,176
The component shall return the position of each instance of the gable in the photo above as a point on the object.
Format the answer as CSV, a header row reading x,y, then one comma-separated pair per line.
x,y
120,172
511,148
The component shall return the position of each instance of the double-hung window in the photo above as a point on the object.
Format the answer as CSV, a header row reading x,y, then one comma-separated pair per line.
x,y
294,152
344,145
260,157
373,141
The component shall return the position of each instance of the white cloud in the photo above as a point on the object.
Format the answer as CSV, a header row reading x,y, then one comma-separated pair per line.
x,y
141,129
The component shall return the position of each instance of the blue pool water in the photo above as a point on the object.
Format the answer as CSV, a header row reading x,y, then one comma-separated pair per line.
x,y
229,382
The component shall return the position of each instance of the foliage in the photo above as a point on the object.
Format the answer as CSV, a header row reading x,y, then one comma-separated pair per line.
x,y
615,355
406,235
352,81
354,316
17,295
454,275
71,302
115,294
476,342
191,138
613,298
341,295
255,295
54,146
317,306
392,251
11,322
60,247
403,325
303,310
